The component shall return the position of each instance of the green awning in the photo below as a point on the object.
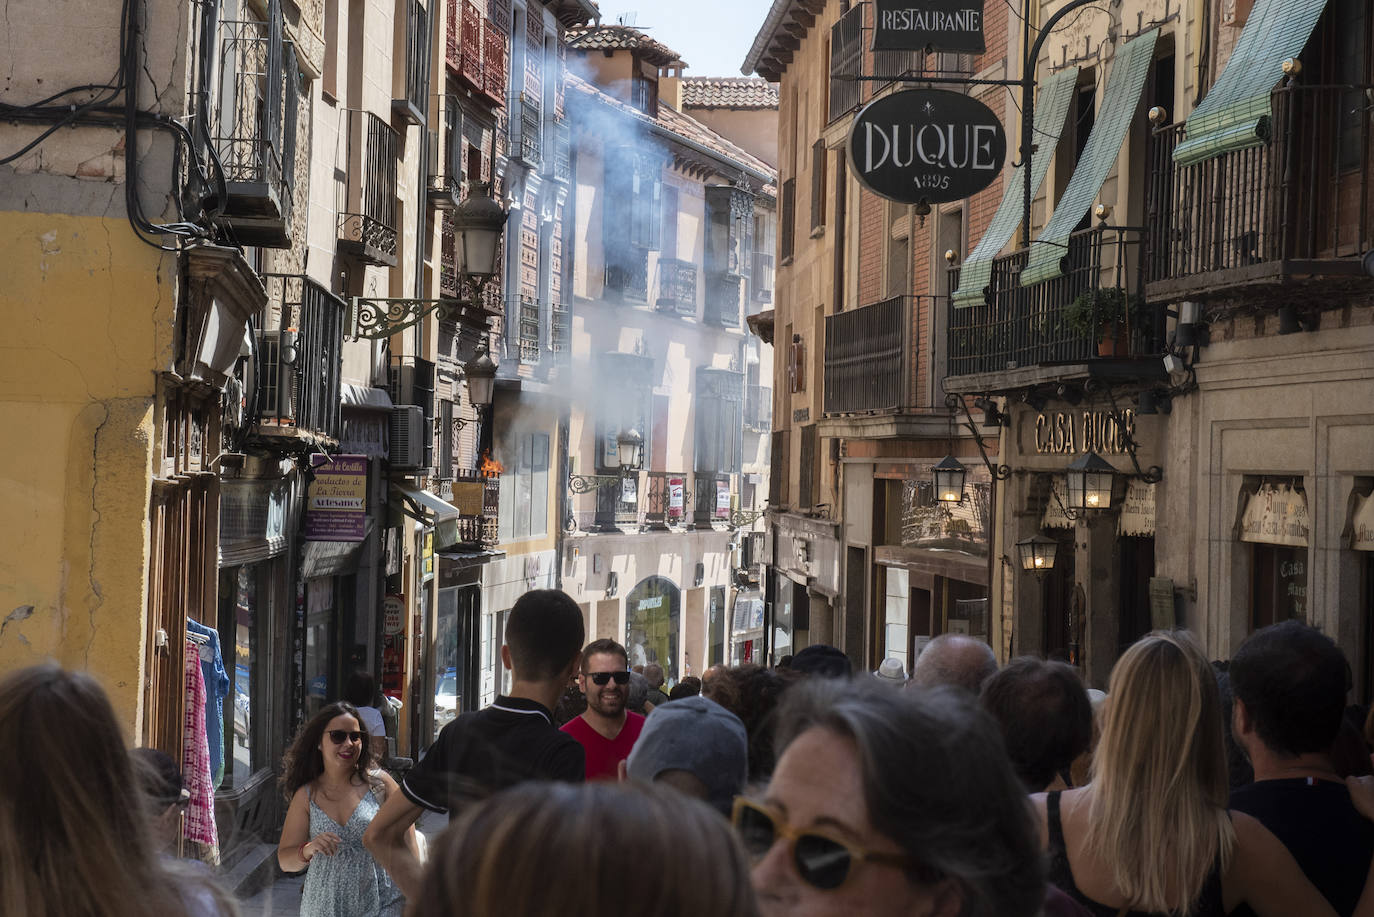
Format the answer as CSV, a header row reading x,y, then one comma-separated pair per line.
x,y
1119,104
1236,113
1050,110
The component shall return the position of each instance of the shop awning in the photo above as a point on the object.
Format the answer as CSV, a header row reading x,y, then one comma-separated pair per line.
x,y
1235,113
363,397
429,509
1119,104
1050,111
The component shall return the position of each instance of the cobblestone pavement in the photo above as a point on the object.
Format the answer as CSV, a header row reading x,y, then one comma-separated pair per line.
x,y
283,897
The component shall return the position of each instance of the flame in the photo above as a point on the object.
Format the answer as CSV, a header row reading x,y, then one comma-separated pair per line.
x,y
491,467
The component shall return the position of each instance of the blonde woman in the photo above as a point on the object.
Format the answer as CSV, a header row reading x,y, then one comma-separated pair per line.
x,y
75,839
587,850
1151,834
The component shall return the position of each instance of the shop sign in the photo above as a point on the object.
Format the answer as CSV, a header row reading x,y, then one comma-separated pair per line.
x,y
629,490
1362,525
1056,516
676,498
936,25
337,506
427,555
1069,433
926,146
1137,510
393,615
1275,514
722,500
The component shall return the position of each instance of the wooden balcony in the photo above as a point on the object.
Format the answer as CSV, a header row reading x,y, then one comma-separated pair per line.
x,y
493,62
478,498
1066,328
1248,221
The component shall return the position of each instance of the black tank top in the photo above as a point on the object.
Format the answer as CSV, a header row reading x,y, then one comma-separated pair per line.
x,y
1208,904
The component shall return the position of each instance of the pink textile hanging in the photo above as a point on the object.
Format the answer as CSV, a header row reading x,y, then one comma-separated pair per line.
x,y
199,824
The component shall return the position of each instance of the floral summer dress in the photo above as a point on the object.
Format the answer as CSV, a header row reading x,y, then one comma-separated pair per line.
x,y
349,883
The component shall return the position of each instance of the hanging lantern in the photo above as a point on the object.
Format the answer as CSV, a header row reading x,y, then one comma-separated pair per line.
x,y
1037,554
1089,480
949,480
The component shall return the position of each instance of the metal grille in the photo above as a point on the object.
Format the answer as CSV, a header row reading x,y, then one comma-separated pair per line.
x,y
494,59
417,54
723,298
561,332
471,65
368,219
529,330
304,393
846,60
869,354
677,286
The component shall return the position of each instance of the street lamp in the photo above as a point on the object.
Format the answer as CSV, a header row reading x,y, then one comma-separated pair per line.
x,y
1037,554
478,223
480,372
1089,479
629,447
949,480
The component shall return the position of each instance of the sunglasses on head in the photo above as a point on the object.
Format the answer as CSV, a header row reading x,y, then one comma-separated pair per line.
x,y
601,678
337,736
822,861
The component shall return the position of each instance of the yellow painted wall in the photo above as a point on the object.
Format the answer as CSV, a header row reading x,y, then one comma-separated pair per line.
x,y
88,312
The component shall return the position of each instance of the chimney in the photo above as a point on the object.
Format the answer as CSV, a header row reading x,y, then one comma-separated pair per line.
x,y
670,85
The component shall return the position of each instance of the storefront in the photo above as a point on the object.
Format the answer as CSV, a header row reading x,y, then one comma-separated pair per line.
x,y
802,585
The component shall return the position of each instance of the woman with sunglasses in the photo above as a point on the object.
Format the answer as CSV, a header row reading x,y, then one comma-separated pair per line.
x,y
893,803
334,792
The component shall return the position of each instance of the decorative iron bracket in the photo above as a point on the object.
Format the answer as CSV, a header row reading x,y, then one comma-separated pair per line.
x,y
743,517
955,401
378,318
1152,475
586,483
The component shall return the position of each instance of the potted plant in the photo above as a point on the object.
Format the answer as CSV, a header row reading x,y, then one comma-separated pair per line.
x,y
1105,315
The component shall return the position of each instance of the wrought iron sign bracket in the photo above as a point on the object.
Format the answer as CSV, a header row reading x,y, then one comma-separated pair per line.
x,y
1152,475
957,402
586,483
743,517
374,318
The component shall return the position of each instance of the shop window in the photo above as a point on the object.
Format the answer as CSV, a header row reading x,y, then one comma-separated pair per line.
x,y
245,596
896,615
652,617
1278,584
319,646
717,626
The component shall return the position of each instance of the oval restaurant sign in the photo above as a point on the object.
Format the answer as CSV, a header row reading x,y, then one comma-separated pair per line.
x,y
926,145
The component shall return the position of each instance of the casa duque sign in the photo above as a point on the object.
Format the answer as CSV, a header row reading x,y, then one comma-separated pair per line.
x,y
927,146
936,25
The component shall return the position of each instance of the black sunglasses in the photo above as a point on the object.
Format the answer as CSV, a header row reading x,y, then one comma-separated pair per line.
x,y
337,736
822,861
621,677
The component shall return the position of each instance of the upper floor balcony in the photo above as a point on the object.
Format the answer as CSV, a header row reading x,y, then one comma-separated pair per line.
x,y
870,358
477,496
560,334
412,85
476,50
368,223
627,273
724,292
252,121
758,408
525,127
1299,206
1089,321
677,286
299,354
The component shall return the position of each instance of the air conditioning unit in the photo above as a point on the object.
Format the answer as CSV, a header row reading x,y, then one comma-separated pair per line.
x,y
407,437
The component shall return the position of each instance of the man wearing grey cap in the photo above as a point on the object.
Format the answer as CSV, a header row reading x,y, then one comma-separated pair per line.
x,y
696,746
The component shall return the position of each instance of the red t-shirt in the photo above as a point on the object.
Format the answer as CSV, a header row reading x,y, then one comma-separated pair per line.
x,y
604,755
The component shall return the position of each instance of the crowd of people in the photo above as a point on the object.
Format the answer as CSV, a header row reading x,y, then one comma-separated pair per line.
x,y
964,790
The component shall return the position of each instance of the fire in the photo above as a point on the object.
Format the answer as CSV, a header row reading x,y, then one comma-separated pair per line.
x,y
490,466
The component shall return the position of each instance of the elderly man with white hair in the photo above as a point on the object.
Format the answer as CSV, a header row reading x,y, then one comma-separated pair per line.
x,y
954,659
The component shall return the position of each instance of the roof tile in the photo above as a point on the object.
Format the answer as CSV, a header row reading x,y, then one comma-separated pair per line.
x,y
728,92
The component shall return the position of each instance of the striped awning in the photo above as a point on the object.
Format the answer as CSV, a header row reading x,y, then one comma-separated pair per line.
x,y
1124,85
1236,112
1050,111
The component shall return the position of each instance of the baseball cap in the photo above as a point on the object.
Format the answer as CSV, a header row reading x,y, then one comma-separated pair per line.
x,y
699,736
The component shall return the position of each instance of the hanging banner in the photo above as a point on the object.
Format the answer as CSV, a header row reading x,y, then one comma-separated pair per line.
x,y
935,25
1362,524
1137,510
337,506
1055,517
1276,514
676,497
926,146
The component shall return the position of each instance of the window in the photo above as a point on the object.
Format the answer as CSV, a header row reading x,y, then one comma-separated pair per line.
x,y
720,420
668,247
525,489
818,184
628,375
809,480
786,217
644,93
846,61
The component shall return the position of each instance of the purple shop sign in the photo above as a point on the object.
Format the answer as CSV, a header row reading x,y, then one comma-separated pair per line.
x,y
336,509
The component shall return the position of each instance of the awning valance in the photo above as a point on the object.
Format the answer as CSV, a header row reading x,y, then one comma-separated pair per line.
x,y
363,397
1119,103
429,509
1050,111
1235,113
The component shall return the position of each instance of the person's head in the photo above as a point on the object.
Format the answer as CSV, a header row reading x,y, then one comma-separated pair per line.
x,y
556,848
165,797
654,673
822,661
689,686
712,673
696,746
1288,682
1158,813
544,635
334,737
606,677
918,780
75,837
891,672
753,696
954,659
637,693
1044,714
360,689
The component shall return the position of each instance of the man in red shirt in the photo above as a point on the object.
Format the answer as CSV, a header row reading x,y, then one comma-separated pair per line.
x,y
606,730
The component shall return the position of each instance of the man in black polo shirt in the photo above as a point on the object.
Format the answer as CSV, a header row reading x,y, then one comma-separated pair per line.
x,y
507,743
1290,683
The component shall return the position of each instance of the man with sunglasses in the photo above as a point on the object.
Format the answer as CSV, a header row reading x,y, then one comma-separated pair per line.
x,y
606,730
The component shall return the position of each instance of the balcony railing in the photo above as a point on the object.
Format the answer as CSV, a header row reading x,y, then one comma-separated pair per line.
x,y
367,225
665,498
723,298
493,62
1027,326
299,357
710,498
562,151
477,497
677,286
762,276
870,358
560,341
529,330
1301,204
445,156
846,60
253,128
524,125
448,259
758,408
627,273
470,63
415,92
